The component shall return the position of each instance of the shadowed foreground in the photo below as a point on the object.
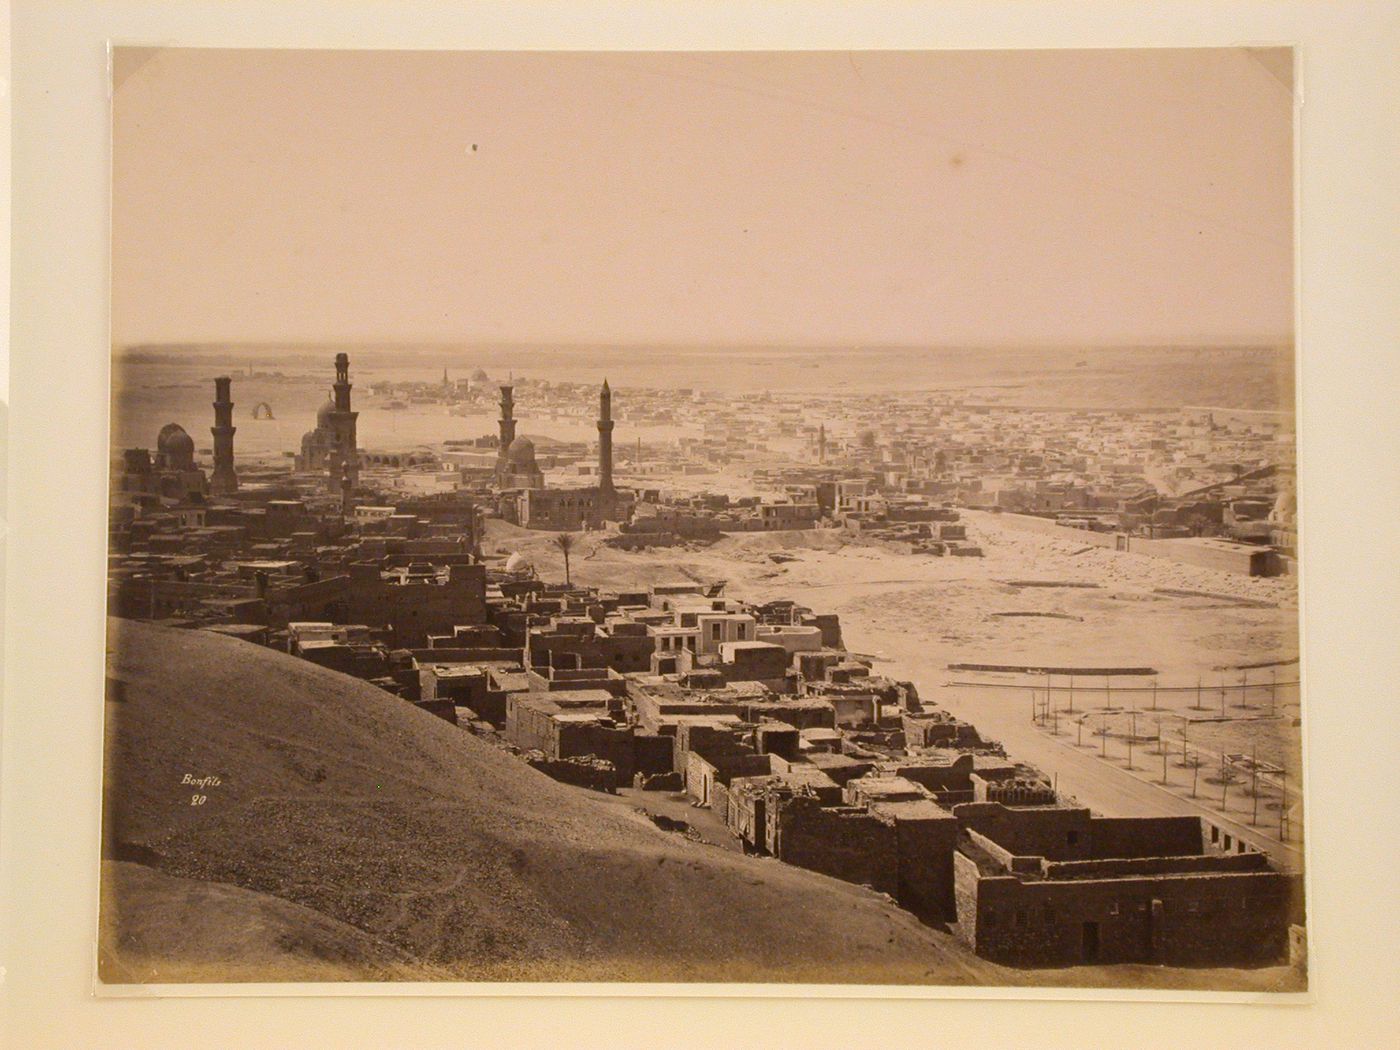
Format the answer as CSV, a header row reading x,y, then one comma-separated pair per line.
x,y
351,836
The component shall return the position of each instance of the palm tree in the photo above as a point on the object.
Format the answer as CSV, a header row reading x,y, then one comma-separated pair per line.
x,y
565,542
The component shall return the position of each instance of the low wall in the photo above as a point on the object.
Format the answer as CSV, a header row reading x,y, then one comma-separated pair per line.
x,y
1211,864
1242,559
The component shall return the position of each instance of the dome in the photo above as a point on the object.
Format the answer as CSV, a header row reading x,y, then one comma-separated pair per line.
x,y
517,562
175,445
324,413
521,456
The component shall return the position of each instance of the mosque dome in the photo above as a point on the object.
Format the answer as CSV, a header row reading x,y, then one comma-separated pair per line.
x,y
175,445
517,562
324,413
521,456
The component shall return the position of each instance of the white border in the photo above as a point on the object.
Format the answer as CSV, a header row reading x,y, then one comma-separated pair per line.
x,y
1346,382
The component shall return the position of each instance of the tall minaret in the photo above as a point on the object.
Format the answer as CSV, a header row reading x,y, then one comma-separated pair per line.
x,y
225,479
821,444
344,419
507,416
605,429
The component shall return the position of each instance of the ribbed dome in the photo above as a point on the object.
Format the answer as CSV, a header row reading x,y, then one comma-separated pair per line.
x,y
175,445
324,413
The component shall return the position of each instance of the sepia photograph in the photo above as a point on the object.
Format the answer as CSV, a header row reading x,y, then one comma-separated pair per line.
x,y
704,517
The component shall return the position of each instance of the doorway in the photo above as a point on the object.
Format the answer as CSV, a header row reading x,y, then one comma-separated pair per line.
x,y
1090,946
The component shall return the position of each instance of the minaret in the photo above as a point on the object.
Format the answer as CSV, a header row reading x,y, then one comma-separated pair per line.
x,y
225,479
605,459
821,444
507,417
344,420
347,491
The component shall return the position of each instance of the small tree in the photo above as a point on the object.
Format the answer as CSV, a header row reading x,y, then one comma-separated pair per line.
x,y
565,542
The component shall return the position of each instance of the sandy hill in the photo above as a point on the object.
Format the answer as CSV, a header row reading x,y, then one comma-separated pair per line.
x,y
352,836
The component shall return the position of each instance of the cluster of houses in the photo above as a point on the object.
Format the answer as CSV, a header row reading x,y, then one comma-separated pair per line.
x,y
802,752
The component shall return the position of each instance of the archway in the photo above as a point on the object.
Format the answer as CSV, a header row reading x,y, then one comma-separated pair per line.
x,y
262,410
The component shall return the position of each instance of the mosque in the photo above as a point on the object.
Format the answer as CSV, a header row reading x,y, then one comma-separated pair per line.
x,y
524,497
171,473
331,448
515,458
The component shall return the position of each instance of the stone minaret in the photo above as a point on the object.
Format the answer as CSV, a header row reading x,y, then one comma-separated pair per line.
x,y
347,491
821,444
225,479
507,417
344,420
605,457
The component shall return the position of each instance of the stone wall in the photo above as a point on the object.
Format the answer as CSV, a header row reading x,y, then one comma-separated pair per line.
x,y
1146,837
1052,832
925,848
848,844
596,775
584,739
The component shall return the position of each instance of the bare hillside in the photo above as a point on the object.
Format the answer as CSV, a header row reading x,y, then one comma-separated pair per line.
x,y
379,824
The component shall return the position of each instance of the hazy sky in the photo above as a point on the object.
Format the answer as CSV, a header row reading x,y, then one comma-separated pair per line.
x,y
833,198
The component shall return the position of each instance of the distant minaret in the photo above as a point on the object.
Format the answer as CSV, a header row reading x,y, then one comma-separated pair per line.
x,y
225,479
347,490
605,429
343,420
821,444
507,416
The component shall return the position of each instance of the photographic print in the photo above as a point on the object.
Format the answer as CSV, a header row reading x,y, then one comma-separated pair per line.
x,y
704,517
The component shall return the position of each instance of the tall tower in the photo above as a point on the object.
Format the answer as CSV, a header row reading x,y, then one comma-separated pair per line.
x,y
507,417
821,444
605,459
347,491
225,479
343,420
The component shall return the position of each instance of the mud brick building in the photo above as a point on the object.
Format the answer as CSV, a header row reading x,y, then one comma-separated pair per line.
x,y
660,703
756,662
415,605
464,685
936,728
622,645
565,725
1056,887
